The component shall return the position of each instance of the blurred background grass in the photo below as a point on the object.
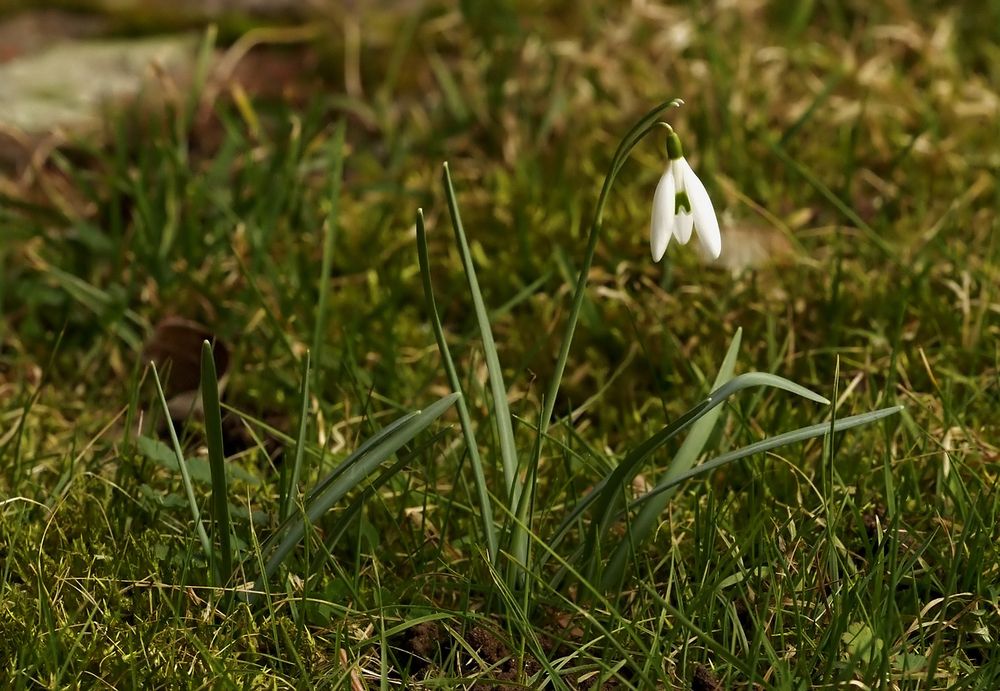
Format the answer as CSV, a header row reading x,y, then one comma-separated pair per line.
x,y
850,148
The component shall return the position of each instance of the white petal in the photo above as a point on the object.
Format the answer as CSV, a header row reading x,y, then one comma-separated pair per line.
x,y
663,214
683,226
705,221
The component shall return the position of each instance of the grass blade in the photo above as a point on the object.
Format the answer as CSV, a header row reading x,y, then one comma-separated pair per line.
x,y
365,447
217,463
479,476
351,473
685,457
520,566
501,411
389,470
627,468
774,442
611,490
206,544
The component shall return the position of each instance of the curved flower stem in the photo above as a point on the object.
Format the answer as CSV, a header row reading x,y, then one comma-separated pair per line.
x,y
643,127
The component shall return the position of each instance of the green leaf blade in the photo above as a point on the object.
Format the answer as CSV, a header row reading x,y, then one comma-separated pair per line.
x,y
501,410
221,520
351,473
465,419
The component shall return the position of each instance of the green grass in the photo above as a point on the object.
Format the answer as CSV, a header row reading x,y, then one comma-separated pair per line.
x,y
396,549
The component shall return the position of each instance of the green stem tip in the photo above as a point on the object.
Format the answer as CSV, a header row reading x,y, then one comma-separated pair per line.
x,y
674,148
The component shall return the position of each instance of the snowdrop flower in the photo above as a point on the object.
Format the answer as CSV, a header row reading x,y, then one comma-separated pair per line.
x,y
681,204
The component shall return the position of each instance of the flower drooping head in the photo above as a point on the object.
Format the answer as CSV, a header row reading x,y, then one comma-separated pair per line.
x,y
680,205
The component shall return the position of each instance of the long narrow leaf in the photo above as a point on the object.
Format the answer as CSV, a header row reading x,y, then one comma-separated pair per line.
x,y
774,442
612,489
478,474
520,546
216,462
685,457
501,411
350,513
349,475
609,486
366,446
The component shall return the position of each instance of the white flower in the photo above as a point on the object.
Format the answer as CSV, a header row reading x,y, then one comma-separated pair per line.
x,y
681,204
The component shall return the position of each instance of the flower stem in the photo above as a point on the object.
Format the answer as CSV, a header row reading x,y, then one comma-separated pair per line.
x,y
643,127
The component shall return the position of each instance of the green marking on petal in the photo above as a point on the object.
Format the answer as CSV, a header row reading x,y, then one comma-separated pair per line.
x,y
683,203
